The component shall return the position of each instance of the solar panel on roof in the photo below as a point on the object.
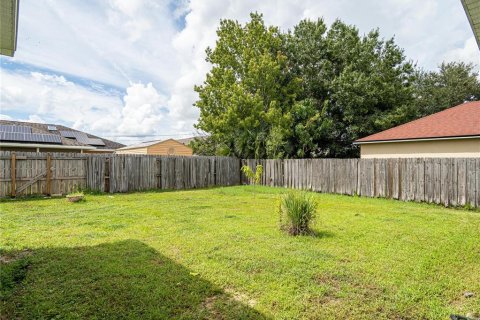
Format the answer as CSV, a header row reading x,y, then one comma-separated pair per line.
x,y
30,137
51,138
82,138
67,134
15,128
96,142
52,128
6,135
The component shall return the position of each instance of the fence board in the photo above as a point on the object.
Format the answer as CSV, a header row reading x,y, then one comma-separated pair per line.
x,y
470,182
477,184
429,180
461,175
419,180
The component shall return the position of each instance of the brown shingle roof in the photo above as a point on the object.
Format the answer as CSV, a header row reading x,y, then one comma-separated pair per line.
x,y
186,141
43,128
460,121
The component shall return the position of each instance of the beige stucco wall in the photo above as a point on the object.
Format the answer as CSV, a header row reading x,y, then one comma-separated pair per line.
x,y
458,148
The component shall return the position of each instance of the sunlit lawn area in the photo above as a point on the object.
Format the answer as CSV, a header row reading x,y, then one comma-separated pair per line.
x,y
219,254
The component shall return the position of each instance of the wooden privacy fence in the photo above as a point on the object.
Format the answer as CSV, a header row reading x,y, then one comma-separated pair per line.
x,y
23,173
447,181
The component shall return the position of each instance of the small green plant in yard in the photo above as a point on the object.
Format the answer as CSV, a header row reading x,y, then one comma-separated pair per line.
x,y
253,176
297,210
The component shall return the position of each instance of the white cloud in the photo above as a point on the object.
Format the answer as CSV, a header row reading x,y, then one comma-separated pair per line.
x,y
53,98
40,97
468,53
144,48
141,113
35,118
114,42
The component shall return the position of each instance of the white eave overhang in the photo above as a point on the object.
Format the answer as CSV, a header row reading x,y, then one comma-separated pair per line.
x,y
472,9
416,139
8,27
43,146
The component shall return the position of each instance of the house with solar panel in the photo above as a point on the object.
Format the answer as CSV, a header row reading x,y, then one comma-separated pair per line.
x,y
40,137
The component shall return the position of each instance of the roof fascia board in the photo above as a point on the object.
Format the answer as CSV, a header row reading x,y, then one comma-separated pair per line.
x,y
11,51
417,139
37,145
472,25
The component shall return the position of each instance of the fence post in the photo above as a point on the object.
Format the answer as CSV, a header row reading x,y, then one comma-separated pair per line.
x,y
13,166
106,173
215,171
49,174
159,174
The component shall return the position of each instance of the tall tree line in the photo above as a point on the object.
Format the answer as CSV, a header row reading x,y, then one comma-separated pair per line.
x,y
311,91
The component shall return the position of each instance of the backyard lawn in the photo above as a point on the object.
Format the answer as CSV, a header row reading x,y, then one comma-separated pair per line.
x,y
219,254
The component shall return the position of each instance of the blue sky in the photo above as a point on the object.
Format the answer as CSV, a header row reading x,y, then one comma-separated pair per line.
x,y
125,69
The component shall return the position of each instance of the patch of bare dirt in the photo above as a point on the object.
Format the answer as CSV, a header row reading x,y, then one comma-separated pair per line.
x,y
7,258
241,297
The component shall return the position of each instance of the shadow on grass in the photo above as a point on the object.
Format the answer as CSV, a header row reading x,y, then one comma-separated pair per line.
x,y
40,197
121,280
322,234
37,197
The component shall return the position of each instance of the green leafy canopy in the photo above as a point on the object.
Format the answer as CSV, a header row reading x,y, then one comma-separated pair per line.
x,y
313,90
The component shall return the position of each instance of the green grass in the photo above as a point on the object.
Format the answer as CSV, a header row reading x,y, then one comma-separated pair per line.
x,y
219,253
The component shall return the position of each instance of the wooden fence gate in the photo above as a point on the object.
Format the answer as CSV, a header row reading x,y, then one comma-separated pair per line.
x,y
25,174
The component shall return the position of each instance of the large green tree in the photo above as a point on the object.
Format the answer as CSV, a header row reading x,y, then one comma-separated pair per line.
x,y
353,86
244,102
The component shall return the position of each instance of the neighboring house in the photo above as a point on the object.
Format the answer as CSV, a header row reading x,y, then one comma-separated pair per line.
x,y
158,147
8,27
40,137
454,132
472,9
